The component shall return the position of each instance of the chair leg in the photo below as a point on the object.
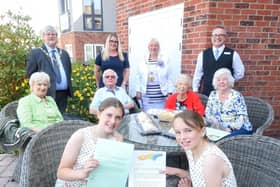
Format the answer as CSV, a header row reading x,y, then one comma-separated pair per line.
x,y
17,171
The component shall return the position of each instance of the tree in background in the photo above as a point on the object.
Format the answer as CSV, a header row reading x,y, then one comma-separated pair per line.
x,y
16,40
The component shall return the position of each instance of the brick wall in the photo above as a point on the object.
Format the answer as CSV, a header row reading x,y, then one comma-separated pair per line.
x,y
78,39
254,32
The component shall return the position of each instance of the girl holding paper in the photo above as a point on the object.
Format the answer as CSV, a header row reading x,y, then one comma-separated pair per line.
x,y
208,165
78,157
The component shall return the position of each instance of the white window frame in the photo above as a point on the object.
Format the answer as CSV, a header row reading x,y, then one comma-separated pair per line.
x,y
95,49
69,49
88,57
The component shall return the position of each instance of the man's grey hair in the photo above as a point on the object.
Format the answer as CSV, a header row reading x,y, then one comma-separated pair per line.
x,y
109,70
48,28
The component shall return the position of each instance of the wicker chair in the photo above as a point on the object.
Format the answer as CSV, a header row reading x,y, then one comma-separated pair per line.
x,y
43,153
10,110
261,113
203,99
255,159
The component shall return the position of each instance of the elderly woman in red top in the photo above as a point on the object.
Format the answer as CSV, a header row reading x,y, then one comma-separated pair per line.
x,y
184,99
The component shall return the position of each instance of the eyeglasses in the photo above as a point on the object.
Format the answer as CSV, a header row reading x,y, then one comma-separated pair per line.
x,y
114,41
50,34
110,76
218,35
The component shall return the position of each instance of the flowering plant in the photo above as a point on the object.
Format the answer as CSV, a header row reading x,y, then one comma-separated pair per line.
x,y
84,87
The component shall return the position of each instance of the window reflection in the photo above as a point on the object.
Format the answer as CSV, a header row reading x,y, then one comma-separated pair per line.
x,y
93,17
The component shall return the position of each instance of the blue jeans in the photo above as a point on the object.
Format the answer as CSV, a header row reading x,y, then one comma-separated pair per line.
x,y
239,131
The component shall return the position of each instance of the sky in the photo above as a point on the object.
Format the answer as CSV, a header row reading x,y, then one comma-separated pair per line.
x,y
42,12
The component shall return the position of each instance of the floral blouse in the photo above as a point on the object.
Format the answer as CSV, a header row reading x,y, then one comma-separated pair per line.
x,y
232,113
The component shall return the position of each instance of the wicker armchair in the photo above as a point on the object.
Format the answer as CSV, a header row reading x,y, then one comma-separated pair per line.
x,y
261,113
10,110
43,153
255,159
204,99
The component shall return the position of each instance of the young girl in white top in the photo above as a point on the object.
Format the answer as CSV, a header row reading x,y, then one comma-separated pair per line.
x,y
78,157
208,165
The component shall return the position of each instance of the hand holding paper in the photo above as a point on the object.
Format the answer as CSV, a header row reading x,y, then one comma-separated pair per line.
x,y
115,159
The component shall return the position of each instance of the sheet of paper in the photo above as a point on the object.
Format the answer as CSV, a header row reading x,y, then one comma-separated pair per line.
x,y
146,167
115,159
215,134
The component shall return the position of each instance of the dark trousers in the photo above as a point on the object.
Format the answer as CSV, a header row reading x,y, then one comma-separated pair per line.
x,y
61,100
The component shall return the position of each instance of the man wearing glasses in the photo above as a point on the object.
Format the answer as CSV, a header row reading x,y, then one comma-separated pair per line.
x,y
110,78
56,63
214,58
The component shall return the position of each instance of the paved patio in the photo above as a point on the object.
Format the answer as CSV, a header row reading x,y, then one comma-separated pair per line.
x,y
7,166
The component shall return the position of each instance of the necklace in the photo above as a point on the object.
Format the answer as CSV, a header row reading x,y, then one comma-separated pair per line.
x,y
48,55
182,97
223,96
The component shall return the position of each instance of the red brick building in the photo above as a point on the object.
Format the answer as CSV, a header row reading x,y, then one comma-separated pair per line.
x,y
254,31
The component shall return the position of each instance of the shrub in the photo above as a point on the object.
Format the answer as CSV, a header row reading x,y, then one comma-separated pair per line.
x,y
84,87
16,40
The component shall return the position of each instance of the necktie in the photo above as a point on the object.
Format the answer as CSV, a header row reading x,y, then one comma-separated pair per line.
x,y
56,67
216,54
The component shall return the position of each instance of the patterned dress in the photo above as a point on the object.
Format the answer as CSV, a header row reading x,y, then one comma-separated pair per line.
x,y
232,113
86,153
196,167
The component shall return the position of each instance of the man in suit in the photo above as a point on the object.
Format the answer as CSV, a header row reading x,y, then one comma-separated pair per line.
x,y
56,63
214,58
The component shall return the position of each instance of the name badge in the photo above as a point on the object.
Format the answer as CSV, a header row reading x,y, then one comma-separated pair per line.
x,y
227,53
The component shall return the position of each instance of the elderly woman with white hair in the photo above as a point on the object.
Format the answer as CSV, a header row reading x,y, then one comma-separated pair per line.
x,y
184,98
36,110
226,107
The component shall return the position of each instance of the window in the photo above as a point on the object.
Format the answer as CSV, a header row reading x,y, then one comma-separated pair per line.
x,y
64,6
69,49
98,49
93,15
92,50
88,51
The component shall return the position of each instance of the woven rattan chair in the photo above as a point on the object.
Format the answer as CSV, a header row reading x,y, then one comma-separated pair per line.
x,y
261,113
203,99
10,110
255,159
43,153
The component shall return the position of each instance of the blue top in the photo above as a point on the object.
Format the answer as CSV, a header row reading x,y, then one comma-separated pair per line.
x,y
115,64
103,93
230,114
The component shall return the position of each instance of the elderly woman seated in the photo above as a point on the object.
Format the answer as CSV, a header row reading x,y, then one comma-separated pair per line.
x,y
184,99
36,110
226,108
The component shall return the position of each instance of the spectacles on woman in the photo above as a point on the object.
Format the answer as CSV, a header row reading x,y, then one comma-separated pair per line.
x,y
114,41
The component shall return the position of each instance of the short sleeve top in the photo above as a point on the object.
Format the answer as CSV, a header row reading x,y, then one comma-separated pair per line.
x,y
115,64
